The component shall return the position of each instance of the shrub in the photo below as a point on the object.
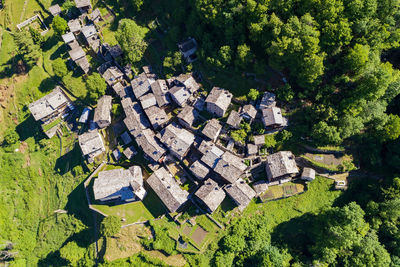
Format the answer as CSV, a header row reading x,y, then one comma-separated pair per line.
x,y
110,226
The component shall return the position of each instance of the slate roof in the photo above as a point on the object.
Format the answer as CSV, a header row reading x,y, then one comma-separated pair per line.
x,y
140,85
199,169
82,3
212,129
180,94
160,91
211,153
149,144
189,82
74,25
157,116
95,15
135,117
68,37
268,100
129,152
210,194
280,164
308,174
89,30
188,114
177,140
112,74
259,140
234,119
220,97
85,115
48,104
167,189
103,109
241,193
147,100
91,142
250,111
260,187
272,116
55,9
230,167
76,53
83,63
252,149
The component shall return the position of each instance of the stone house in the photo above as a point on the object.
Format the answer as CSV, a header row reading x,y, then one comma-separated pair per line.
x,y
102,113
218,101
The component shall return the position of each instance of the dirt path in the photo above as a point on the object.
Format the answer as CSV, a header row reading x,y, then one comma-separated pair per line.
x,y
23,10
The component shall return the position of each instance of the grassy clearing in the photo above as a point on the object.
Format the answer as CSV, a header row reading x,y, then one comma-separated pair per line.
x,y
281,191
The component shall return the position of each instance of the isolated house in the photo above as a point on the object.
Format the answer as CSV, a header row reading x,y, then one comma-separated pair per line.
x,y
180,94
267,101
102,113
272,117
281,165
308,174
147,100
230,167
234,119
55,10
188,49
218,100
91,144
84,6
241,193
177,140
210,195
249,112
199,169
212,129
113,75
119,184
187,116
152,149
140,85
74,25
167,189
157,117
211,153
51,106
160,91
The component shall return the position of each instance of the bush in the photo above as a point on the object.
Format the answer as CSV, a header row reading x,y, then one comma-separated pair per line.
x,y
59,68
59,25
10,137
253,94
110,226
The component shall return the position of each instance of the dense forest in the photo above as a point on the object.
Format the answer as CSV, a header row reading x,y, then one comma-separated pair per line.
x,y
338,64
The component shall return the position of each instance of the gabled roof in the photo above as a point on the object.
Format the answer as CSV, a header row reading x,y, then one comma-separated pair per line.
x,y
249,110
230,167
234,119
177,140
89,30
210,194
83,63
268,100
157,116
103,109
160,90
189,82
68,37
147,100
167,189
140,85
199,169
252,149
129,152
220,97
308,174
95,15
135,117
212,129
76,53
241,193
82,3
55,9
112,74
91,142
259,139
272,116
180,94
211,153
149,144
48,104
280,164
74,25
188,114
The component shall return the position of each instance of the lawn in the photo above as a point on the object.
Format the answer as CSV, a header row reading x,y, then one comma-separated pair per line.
x,y
15,12
284,190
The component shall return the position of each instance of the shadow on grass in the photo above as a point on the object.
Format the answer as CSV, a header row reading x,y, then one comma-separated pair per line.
x,y
69,161
53,259
30,128
47,84
78,206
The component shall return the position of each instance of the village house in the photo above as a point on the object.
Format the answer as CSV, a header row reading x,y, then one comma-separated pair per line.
x,y
91,144
51,106
109,52
211,153
308,174
272,117
199,169
160,91
102,113
113,75
157,117
218,101
79,57
281,166
167,189
188,49
119,184
187,116
188,81
241,193
210,195
74,25
260,187
151,76
230,167
180,94
130,152
84,6
151,147
91,37
69,39
135,115
95,16
252,149
55,10
140,85
249,112
212,129
234,120
147,100
177,140
259,140
85,115
267,101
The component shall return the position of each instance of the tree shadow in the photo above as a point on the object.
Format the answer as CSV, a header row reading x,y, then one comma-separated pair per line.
x,y
60,52
47,85
30,128
78,206
53,259
69,161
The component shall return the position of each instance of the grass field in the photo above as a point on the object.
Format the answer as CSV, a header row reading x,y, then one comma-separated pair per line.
x,y
280,191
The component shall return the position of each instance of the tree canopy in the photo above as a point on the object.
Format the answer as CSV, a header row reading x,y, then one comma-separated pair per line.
x,y
110,226
131,38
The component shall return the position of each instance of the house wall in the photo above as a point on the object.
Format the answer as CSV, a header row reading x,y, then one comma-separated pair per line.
x,y
214,109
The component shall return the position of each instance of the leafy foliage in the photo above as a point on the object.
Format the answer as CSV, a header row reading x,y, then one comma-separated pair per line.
x,y
110,226
59,25
96,86
59,67
131,38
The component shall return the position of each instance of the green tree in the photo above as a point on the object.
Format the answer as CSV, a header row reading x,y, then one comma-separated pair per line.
x,y
110,226
59,68
393,191
253,94
37,37
244,56
357,57
239,135
285,93
96,86
10,136
392,128
59,25
29,51
72,253
225,55
137,4
130,36
270,140
326,134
